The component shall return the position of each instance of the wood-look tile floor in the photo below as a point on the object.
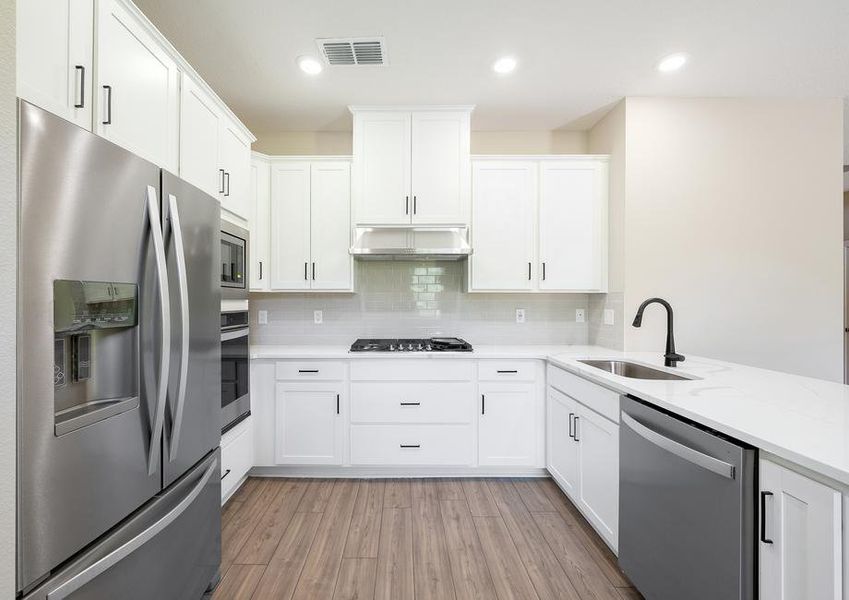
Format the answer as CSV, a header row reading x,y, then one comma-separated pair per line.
x,y
393,539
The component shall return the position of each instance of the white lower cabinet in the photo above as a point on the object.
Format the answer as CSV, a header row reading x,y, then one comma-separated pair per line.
x,y
309,425
411,445
800,537
237,456
561,448
507,430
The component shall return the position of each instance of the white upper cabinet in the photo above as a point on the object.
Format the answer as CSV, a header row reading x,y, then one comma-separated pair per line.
x,y
200,122
138,92
290,224
330,234
234,169
503,224
54,56
539,224
573,225
411,166
259,225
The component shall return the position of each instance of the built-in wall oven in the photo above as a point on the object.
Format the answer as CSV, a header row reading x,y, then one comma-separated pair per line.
x,y
234,261
235,373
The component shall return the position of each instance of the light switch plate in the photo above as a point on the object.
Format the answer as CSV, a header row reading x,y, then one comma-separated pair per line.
x,y
608,316
318,317
262,317
520,315
580,315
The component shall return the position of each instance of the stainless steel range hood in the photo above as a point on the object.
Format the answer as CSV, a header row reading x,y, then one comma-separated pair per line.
x,y
411,242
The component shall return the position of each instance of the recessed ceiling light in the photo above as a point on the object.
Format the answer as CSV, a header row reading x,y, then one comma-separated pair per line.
x,y
309,65
504,65
673,62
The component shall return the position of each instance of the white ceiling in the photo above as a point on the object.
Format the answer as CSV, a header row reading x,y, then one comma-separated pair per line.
x,y
575,57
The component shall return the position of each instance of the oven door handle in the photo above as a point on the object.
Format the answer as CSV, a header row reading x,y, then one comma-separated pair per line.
x,y
226,336
172,223
699,459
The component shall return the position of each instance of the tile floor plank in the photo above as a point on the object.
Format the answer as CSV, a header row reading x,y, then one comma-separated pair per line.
x,y
356,579
261,544
364,532
397,494
508,574
239,583
468,566
481,502
395,560
431,569
317,495
284,569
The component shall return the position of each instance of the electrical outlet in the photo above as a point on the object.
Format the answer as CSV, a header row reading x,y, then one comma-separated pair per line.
x,y
520,315
263,317
608,316
580,315
318,317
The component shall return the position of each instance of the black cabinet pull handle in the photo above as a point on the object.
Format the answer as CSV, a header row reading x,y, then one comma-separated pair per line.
x,y
575,421
337,404
313,271
571,421
410,403
260,270
414,205
543,271
307,370
305,272
764,539
108,119
227,183
507,371
411,445
483,404
221,171
226,473
529,271
81,70
406,205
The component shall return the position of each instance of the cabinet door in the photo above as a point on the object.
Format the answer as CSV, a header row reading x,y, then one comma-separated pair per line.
x,y
137,101
562,449
802,521
236,162
598,466
503,220
381,168
199,138
259,224
507,424
572,225
54,56
290,224
309,424
330,226
440,167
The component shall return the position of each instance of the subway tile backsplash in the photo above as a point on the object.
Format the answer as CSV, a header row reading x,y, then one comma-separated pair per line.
x,y
417,299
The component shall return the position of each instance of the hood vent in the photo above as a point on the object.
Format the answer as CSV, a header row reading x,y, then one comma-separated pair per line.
x,y
353,52
411,242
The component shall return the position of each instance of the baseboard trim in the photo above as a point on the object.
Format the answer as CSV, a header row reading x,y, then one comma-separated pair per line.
x,y
395,471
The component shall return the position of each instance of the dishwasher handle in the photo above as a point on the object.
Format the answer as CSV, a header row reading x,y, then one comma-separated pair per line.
x,y
695,457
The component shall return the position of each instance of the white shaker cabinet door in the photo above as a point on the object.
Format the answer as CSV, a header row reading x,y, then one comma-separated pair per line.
x,y
138,96
235,160
330,238
507,424
54,56
598,458
562,449
259,224
309,424
199,138
503,220
290,226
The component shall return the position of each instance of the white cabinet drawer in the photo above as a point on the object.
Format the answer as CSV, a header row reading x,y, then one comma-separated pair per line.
x,y
401,402
302,370
507,370
415,369
412,445
237,450
600,399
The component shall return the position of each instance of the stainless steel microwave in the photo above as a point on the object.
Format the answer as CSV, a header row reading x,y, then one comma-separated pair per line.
x,y
235,242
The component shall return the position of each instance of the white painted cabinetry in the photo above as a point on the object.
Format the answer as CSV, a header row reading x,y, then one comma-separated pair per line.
x,y
237,457
234,168
290,224
258,223
309,423
411,166
562,449
200,135
507,431
801,546
54,56
539,225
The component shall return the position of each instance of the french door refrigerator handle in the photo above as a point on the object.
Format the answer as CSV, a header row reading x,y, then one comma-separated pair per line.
x,y
85,576
680,450
165,351
183,288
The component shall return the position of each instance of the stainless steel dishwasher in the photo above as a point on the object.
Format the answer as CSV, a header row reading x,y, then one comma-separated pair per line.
x,y
686,508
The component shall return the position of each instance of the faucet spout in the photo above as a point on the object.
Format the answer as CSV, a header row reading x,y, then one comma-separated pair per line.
x,y
671,358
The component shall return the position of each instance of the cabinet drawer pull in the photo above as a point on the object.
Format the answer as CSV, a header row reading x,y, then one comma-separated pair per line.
x,y
307,370
305,271
411,445
227,183
337,404
414,205
483,404
410,403
764,539
221,171
529,271
260,270
406,205
108,119
571,422
543,271
313,271
81,70
575,421
226,473
507,371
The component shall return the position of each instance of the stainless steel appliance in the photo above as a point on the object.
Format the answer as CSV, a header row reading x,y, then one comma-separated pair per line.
x,y
234,261
411,242
686,508
119,359
235,372
440,344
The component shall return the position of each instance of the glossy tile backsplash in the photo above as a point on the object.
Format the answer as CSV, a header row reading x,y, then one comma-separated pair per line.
x,y
417,299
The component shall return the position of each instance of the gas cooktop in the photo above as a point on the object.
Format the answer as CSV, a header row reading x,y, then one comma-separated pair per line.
x,y
440,344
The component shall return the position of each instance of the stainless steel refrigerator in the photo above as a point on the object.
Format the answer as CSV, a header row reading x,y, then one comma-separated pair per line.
x,y
119,372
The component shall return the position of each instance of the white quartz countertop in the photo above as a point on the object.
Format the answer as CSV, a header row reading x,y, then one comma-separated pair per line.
x,y
800,419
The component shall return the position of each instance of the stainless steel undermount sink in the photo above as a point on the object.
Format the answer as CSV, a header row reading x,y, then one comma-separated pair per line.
x,y
632,370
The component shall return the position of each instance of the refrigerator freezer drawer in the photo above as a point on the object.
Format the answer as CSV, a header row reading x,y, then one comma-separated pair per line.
x,y
169,550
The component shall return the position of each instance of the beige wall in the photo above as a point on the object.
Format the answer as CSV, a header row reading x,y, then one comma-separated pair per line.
x,y
846,215
482,142
734,214
8,249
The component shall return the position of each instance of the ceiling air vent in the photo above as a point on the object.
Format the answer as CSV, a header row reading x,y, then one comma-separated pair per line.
x,y
353,51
